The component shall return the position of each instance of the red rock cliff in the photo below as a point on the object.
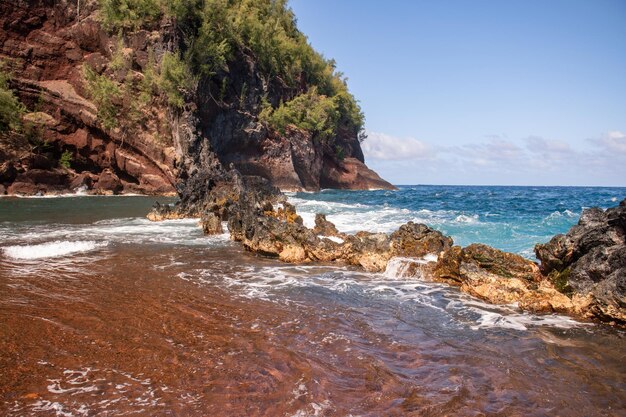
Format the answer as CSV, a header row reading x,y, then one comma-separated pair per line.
x,y
147,147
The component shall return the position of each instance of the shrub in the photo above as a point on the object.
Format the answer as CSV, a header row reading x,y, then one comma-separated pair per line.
x,y
118,59
309,111
10,107
340,152
148,84
105,93
66,159
174,79
129,14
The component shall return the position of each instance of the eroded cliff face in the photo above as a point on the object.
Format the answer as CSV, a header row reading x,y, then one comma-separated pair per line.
x,y
149,148
46,47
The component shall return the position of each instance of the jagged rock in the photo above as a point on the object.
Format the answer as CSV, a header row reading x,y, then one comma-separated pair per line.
x,y
324,227
280,233
500,278
418,240
2,190
161,212
211,224
588,263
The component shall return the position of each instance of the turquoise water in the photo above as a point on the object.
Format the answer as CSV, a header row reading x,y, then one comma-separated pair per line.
x,y
513,219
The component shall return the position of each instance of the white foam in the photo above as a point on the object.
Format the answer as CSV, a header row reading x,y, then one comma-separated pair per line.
x,y
463,218
399,267
51,249
332,238
351,218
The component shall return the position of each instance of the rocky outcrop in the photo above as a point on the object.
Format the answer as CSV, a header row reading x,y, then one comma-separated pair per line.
x,y
592,253
152,149
277,231
47,48
500,278
588,263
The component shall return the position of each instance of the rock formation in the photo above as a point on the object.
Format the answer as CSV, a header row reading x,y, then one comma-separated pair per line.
x,y
582,273
90,94
588,263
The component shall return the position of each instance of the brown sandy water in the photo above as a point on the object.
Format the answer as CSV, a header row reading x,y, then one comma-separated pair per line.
x,y
157,320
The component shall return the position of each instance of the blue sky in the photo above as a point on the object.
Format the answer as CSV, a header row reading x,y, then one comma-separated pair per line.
x,y
483,92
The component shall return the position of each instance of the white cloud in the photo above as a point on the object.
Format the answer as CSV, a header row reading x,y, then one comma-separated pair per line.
x,y
614,141
541,145
390,148
500,160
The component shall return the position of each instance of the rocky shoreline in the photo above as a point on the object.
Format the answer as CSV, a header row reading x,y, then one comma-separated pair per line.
x,y
582,273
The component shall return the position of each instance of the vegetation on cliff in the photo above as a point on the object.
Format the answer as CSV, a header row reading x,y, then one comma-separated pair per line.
x,y
302,87
10,106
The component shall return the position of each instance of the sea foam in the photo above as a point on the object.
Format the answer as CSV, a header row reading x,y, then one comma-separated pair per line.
x,y
51,249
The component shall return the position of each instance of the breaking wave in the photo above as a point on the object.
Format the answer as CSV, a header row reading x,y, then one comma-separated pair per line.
x,y
51,249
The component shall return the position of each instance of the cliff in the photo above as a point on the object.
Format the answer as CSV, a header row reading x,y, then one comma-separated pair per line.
x,y
154,97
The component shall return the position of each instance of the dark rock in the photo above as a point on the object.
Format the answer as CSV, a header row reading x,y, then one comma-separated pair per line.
x,y
54,177
587,263
8,172
38,161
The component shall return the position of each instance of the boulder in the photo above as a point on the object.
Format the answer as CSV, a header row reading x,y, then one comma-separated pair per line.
x,y
418,240
84,179
588,263
108,183
155,184
54,177
25,188
500,278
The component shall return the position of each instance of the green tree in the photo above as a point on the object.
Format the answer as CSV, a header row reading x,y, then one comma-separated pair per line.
x,y
129,14
174,79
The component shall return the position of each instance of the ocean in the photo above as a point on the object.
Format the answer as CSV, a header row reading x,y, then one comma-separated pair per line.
x,y
105,313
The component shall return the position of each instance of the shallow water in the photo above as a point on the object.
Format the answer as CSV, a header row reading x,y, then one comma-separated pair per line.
x,y
105,313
